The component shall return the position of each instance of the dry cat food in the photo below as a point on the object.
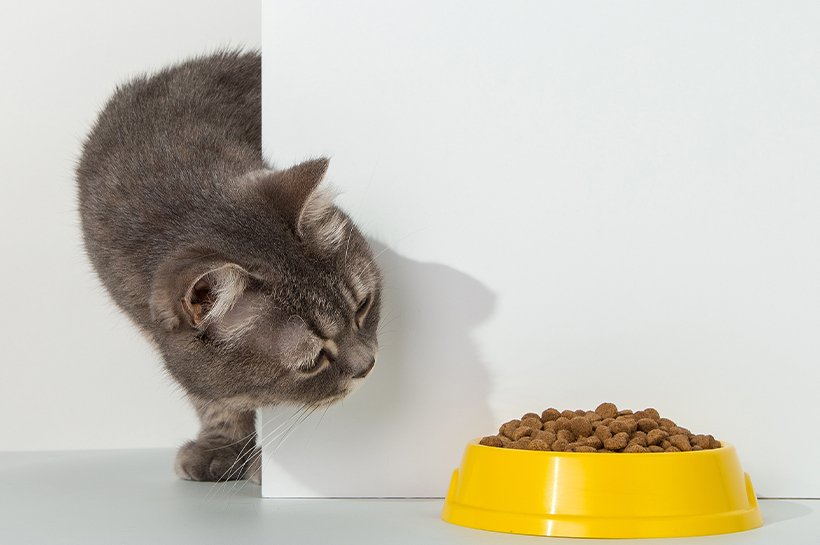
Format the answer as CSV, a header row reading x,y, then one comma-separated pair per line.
x,y
606,429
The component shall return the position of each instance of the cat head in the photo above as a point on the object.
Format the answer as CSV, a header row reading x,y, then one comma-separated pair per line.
x,y
277,301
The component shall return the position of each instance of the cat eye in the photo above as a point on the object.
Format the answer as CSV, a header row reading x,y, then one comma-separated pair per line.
x,y
322,361
362,310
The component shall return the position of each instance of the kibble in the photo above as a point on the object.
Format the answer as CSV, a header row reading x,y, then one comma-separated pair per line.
x,y
647,424
548,437
581,426
681,442
560,445
508,428
491,441
607,429
607,410
562,423
523,431
617,441
655,436
635,447
549,415
534,423
538,444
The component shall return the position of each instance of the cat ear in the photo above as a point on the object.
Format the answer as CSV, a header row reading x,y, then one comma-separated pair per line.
x,y
291,191
197,292
213,294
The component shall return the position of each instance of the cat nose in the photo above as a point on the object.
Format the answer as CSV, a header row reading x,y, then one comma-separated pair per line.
x,y
363,373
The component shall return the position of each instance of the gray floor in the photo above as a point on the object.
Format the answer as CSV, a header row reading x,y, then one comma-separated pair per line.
x,y
131,496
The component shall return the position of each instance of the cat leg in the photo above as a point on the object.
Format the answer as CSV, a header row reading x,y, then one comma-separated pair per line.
x,y
225,448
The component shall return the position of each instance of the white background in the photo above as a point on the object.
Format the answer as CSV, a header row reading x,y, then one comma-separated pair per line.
x,y
584,202
74,372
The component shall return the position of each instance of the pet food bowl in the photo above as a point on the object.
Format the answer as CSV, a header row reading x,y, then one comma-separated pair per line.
x,y
603,495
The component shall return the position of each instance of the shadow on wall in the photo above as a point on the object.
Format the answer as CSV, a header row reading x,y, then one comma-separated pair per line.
x,y
403,431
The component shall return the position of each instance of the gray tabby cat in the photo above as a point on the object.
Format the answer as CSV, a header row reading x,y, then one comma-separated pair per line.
x,y
254,287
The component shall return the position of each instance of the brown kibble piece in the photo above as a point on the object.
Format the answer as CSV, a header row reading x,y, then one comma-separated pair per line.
x,y
508,428
561,423
638,440
651,413
550,414
491,441
655,436
606,429
677,430
702,441
530,422
617,441
681,442
592,441
647,424
546,436
607,410
634,447
523,431
560,445
537,444
666,424
522,443
580,426
592,416
619,426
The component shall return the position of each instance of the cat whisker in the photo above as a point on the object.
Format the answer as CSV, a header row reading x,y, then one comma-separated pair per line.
x,y
224,478
307,412
244,452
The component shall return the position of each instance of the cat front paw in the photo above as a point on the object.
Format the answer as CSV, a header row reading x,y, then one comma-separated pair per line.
x,y
208,460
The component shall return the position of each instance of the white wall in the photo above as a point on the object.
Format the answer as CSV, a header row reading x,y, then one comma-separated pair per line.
x,y
584,201
74,372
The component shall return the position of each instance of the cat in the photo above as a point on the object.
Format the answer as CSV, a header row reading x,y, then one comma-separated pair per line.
x,y
254,287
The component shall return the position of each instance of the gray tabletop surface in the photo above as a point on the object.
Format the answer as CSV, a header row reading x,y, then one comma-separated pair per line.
x,y
132,496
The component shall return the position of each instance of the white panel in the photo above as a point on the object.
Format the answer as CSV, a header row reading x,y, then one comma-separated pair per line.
x,y
76,374
583,202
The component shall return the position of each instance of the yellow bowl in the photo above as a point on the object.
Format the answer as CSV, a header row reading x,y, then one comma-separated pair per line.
x,y
617,495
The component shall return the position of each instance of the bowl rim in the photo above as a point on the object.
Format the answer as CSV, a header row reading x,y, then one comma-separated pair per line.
x,y
723,447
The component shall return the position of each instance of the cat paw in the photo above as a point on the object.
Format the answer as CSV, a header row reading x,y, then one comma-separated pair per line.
x,y
208,460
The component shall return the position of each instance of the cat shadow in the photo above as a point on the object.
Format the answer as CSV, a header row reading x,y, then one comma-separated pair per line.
x,y
403,431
